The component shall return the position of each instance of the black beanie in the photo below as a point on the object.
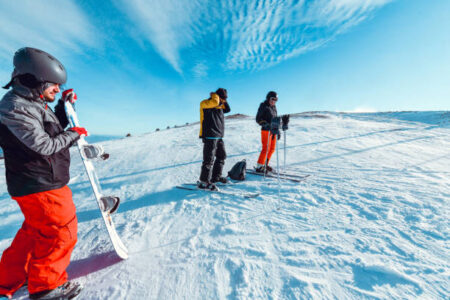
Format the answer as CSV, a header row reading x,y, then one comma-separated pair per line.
x,y
271,94
222,93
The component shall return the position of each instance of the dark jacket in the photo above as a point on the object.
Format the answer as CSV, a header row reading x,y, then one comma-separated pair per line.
x,y
212,120
34,143
265,115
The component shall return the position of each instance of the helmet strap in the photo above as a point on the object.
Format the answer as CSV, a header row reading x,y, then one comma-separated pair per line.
x,y
9,84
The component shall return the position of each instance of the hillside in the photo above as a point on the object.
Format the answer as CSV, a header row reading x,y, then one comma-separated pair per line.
x,y
371,222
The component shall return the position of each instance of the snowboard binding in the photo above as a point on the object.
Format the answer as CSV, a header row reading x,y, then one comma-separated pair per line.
x,y
94,151
109,204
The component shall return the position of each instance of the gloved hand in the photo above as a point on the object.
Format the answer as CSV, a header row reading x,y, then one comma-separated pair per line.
x,y
80,130
264,125
69,95
279,135
285,120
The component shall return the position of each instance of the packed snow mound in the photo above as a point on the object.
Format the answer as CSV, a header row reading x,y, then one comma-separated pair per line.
x,y
371,222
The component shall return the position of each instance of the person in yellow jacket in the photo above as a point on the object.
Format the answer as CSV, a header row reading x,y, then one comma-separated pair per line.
x,y
212,128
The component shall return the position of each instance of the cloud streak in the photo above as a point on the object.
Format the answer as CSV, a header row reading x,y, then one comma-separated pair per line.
x,y
55,26
197,36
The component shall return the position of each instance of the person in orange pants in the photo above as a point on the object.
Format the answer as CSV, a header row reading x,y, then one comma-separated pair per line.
x,y
269,144
267,111
37,159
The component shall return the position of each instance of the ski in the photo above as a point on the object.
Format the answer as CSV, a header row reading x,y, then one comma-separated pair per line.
x,y
107,204
283,176
193,187
301,176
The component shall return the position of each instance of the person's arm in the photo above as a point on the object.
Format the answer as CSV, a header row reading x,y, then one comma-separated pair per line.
x,y
26,125
213,101
226,108
260,117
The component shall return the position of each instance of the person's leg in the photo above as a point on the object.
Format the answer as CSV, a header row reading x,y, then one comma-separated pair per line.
x,y
264,141
53,217
209,152
14,261
221,155
272,146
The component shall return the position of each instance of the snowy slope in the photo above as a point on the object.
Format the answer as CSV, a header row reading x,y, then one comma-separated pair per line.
x,y
369,223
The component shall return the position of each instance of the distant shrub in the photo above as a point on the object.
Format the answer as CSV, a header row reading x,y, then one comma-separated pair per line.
x,y
128,135
157,129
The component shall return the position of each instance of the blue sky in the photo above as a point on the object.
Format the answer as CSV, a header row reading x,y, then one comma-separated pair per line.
x,y
137,65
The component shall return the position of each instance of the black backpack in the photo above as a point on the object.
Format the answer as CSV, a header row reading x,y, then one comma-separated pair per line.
x,y
237,172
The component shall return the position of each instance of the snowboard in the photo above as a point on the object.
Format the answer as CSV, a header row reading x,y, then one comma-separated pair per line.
x,y
106,204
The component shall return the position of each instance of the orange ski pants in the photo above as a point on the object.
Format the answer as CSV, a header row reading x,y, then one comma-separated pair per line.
x,y
40,252
269,143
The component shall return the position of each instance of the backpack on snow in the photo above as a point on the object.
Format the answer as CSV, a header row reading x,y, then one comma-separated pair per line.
x,y
237,172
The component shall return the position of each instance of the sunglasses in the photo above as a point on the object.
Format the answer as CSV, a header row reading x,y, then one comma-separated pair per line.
x,y
273,99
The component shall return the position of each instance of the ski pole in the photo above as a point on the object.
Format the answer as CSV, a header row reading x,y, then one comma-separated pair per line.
x,y
279,183
285,119
284,167
267,154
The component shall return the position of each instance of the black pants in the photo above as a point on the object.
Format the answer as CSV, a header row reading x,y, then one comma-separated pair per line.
x,y
213,154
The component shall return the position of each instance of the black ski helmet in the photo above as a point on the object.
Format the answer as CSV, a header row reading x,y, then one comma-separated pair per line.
x,y
42,65
271,94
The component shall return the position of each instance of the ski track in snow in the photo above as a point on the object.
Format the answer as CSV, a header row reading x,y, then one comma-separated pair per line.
x,y
371,222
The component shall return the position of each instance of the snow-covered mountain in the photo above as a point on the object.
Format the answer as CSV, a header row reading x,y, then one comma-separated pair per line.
x,y
371,222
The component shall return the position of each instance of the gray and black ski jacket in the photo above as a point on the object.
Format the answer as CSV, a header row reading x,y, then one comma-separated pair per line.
x,y
34,143
265,115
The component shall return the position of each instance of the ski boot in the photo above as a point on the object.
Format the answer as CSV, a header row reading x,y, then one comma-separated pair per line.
x,y
207,186
261,169
68,290
220,179
269,169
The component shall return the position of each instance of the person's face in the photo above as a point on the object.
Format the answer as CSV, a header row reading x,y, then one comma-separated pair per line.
x,y
50,92
273,101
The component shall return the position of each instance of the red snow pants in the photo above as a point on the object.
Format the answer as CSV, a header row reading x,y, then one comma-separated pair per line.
x,y
40,252
269,143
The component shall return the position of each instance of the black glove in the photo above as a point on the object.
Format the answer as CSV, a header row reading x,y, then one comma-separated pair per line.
x,y
264,125
279,135
285,119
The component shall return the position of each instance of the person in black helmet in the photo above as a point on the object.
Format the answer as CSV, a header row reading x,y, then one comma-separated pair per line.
x,y
212,128
37,158
267,111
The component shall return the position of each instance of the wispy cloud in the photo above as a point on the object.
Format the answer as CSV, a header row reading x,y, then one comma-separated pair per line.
x,y
55,26
235,35
166,24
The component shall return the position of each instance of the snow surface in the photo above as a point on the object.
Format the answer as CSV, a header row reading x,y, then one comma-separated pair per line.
x,y
371,222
